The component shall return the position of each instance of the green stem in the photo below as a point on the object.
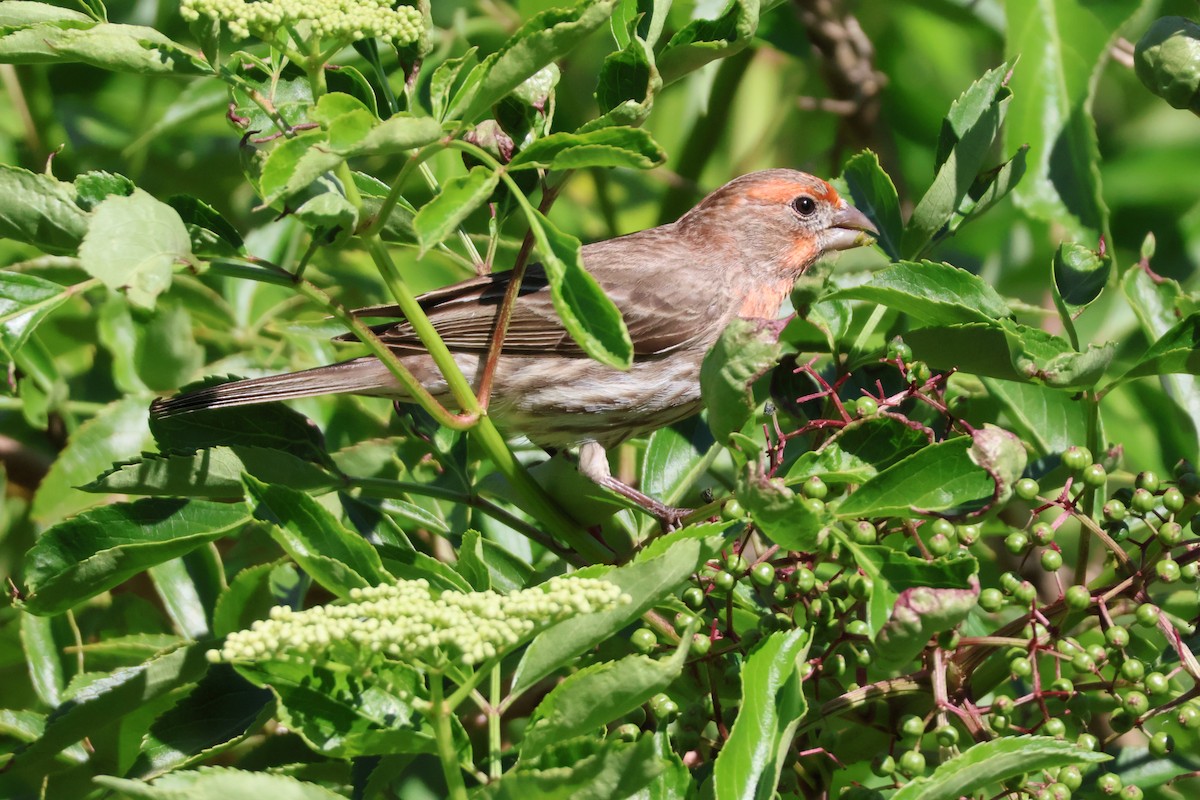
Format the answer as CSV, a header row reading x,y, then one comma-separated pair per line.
x,y
1091,404
444,734
860,342
495,767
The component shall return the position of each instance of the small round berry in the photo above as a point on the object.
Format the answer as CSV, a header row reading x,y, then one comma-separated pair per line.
x,y
1189,484
1020,667
1156,683
991,599
918,372
947,735
1009,581
1114,510
897,349
858,627
1161,744
866,407
814,487
912,726
1000,722
1064,685
1025,593
1071,777
1147,615
1173,500
693,597
723,580
834,665
1042,533
940,545
683,621
782,595
883,765
627,732
732,510
1076,458
1052,560
942,526
1094,476
1121,720
1147,480
1142,502
1082,662
1117,531
1003,705
1117,636
814,505
1190,572
1016,542
863,532
1188,717
1167,570
644,639
762,574
1098,653
1132,669
861,586
701,644
804,580
737,564
1087,741
1027,488
1131,792
912,763
1078,598
1055,727
1136,703
967,534
1170,534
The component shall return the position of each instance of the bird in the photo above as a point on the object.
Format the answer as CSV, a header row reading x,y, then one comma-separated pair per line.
x,y
736,254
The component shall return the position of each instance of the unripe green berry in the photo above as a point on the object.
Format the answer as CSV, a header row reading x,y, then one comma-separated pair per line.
x,y
1173,500
1188,717
1071,777
866,407
814,487
1166,61
947,735
1094,476
804,580
991,599
1016,542
644,639
1009,581
1132,669
693,597
1167,570
912,726
939,545
1142,502
737,564
1157,683
732,510
1025,593
762,574
723,581
1051,560
1076,458
1131,792
1117,636
863,532
1042,533
1026,488
1170,534
967,534
1055,727
897,349
1147,480
1114,510
1136,703
1078,598
912,763
883,765
1147,615
701,644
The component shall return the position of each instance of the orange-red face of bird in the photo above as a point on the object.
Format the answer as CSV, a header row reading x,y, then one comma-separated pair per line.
x,y
780,220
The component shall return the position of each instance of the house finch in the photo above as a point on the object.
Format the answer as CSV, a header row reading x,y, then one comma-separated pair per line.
x,y
736,254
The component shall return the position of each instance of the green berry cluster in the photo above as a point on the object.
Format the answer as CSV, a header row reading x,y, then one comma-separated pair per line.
x,y
411,622
350,20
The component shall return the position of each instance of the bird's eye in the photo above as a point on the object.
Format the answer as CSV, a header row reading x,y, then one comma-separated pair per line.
x,y
805,206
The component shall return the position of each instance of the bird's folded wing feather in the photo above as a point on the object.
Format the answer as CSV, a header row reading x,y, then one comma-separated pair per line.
x,y
464,314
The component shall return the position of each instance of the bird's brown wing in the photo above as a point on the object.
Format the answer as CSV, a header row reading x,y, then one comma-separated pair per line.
x,y
465,314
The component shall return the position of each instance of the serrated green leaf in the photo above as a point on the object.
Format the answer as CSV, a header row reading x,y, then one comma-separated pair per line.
x,y
438,218
934,293
41,211
132,244
673,457
337,558
217,783
743,354
587,313
120,48
540,41
607,769
988,764
1061,44
1080,274
771,707
966,139
17,13
25,301
779,513
1176,351
939,478
606,147
875,195
104,547
294,164
705,40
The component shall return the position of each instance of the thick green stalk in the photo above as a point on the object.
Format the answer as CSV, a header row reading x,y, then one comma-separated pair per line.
x,y
444,735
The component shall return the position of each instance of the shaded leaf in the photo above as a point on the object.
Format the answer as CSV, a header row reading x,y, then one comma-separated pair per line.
x,y
1080,274
610,769
438,218
217,783
743,354
705,40
875,195
103,547
934,293
940,478
605,147
1176,351
779,514
25,301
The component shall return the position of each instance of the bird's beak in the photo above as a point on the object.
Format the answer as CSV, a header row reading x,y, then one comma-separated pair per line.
x,y
848,228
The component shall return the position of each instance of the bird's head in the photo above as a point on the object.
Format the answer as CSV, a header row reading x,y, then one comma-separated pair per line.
x,y
780,220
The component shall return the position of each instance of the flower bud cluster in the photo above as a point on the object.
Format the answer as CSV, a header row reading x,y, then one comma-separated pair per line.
x,y
408,621
326,19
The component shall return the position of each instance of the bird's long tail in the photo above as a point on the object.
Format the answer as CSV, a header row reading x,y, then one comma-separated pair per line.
x,y
359,376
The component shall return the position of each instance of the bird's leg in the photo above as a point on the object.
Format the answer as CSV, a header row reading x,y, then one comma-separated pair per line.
x,y
593,463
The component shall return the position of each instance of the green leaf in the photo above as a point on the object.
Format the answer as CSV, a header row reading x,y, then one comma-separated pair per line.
x,y
659,571
214,473
990,188
832,464
965,141
342,714
780,514
133,243
116,431
587,313
272,426
119,48
25,301
606,147
743,354
41,211
940,478
881,441
252,594
985,765
110,698
217,783
627,86
445,77
772,705
1061,44
1050,419
892,573
705,40
920,613
17,13
674,458
1011,351
103,547
934,293
608,769
216,714
43,656
293,165
596,695
1159,305
1079,274
396,134
211,233
875,195
1176,351
438,218
540,41
337,558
